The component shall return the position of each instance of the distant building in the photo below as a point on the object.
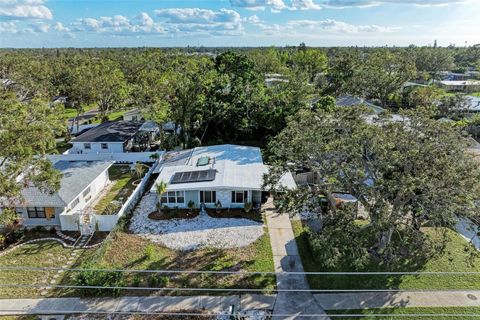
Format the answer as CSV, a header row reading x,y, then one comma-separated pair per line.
x,y
459,86
116,137
272,79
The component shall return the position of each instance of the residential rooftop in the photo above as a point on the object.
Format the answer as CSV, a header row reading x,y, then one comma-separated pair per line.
x,y
76,176
112,131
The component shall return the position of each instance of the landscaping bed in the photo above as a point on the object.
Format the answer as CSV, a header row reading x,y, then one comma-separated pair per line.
x,y
122,187
202,231
457,256
235,213
175,213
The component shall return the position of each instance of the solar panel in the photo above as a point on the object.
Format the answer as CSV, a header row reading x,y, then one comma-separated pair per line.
x,y
193,176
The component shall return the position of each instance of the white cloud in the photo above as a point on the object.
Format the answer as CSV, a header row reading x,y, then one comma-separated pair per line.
x,y
305,5
24,9
60,27
254,19
371,3
145,20
196,20
325,26
121,25
8,27
274,5
39,27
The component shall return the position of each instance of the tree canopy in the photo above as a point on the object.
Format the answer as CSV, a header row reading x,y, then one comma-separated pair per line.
x,y
403,173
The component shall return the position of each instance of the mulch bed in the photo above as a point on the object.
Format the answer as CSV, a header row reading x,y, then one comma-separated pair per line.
x,y
173,214
235,213
98,236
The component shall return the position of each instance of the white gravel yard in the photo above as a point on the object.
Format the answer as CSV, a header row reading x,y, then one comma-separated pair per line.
x,y
189,234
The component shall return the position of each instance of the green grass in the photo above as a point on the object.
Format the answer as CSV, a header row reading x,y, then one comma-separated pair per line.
x,y
121,189
129,251
475,94
455,257
114,116
399,311
41,254
72,112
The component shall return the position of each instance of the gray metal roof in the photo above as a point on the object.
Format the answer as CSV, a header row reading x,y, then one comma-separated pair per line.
x,y
77,175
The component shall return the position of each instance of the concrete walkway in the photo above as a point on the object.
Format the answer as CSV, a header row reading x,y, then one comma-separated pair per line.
x,y
344,301
214,304
287,259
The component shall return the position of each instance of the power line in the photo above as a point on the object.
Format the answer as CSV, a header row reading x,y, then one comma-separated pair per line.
x,y
229,289
26,268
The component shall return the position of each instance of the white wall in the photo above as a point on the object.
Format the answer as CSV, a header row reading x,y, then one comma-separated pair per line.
x,y
34,222
130,157
96,147
224,196
69,219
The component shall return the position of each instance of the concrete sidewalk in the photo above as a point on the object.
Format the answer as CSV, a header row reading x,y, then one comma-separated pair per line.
x,y
286,259
350,301
214,304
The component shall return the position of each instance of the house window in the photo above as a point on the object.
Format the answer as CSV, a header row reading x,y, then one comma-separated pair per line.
x,y
208,196
173,197
104,146
74,203
86,192
87,146
239,196
36,212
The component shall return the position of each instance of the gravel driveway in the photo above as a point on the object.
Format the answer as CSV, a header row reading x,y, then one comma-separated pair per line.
x,y
189,234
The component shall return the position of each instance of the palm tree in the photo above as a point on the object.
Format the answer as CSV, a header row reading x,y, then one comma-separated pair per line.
x,y
139,170
161,189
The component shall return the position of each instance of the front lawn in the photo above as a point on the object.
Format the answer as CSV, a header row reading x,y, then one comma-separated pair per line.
x,y
468,313
121,188
455,257
41,254
129,251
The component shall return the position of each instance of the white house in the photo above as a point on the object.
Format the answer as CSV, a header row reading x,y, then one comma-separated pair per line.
x,y
81,183
116,137
132,115
230,174
458,85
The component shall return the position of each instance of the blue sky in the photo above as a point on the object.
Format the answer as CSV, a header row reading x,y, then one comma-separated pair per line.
x,y
113,23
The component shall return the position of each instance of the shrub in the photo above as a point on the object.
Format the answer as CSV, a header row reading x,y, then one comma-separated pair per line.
x,y
158,281
112,208
191,205
150,252
136,281
218,206
103,278
247,207
3,241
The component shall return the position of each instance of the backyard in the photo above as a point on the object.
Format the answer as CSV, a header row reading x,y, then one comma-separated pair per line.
x,y
457,256
122,186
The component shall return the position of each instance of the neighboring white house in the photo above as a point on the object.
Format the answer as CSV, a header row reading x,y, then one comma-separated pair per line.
x,y
230,174
132,115
460,86
81,183
116,137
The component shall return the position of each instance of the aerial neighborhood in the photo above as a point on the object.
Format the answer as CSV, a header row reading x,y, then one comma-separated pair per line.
x,y
176,179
